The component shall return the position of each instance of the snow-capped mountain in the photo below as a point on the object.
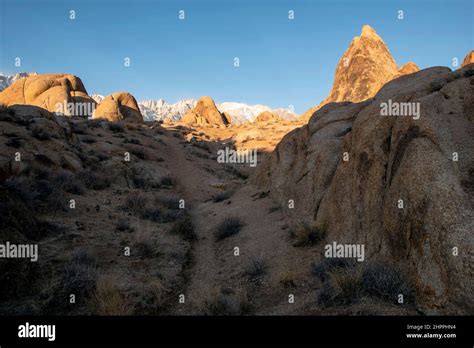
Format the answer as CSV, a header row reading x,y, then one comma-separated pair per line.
x,y
97,97
159,110
7,80
241,112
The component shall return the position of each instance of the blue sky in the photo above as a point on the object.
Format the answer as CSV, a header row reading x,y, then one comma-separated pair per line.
x,y
282,62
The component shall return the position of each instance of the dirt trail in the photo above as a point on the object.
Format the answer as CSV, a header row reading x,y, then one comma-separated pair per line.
x,y
195,185
264,236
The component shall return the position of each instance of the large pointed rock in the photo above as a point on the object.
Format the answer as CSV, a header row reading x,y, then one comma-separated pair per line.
x,y
205,112
363,69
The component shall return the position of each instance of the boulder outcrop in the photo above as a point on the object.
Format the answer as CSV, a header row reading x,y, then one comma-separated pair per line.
x,y
267,116
119,106
401,185
59,93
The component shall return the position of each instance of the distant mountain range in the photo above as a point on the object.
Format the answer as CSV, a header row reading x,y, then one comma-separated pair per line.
x,y
239,112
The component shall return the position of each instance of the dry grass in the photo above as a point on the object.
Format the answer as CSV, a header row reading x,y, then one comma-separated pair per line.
x,y
287,279
305,234
226,301
109,300
228,227
143,245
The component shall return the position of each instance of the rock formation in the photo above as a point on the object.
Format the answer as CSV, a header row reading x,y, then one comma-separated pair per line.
x,y
408,68
401,185
363,69
59,93
205,112
469,59
117,107
267,116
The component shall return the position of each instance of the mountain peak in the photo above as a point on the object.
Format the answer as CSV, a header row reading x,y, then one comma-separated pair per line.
x,y
369,32
364,68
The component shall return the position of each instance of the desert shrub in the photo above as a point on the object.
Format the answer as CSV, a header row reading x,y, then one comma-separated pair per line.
x,y
140,206
345,285
167,202
167,181
226,301
256,269
148,298
40,133
228,227
91,162
154,214
98,156
116,127
36,188
327,265
68,182
144,183
14,142
123,224
79,274
136,203
139,152
386,282
305,234
42,193
185,228
143,245
109,300
222,196
95,180
157,214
